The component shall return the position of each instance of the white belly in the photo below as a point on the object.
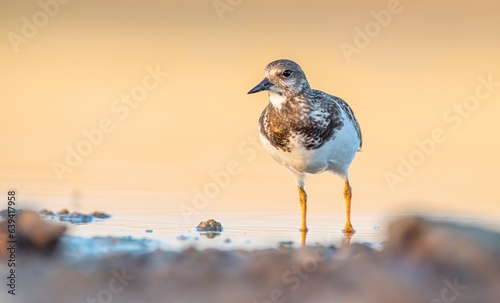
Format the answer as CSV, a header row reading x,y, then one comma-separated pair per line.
x,y
335,155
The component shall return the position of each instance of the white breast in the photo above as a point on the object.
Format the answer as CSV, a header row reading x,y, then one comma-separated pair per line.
x,y
335,155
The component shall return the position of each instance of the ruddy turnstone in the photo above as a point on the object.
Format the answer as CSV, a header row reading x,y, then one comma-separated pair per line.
x,y
307,130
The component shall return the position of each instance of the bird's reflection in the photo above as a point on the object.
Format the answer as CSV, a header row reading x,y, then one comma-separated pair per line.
x,y
347,237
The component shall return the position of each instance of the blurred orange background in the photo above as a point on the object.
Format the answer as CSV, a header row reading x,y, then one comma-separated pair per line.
x,y
405,67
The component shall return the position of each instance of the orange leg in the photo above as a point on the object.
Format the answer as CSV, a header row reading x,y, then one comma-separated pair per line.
x,y
347,196
303,204
303,238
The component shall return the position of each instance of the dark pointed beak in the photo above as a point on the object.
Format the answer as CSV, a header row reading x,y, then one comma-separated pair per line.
x,y
263,85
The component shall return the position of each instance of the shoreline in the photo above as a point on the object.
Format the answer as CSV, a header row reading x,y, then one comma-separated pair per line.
x,y
420,259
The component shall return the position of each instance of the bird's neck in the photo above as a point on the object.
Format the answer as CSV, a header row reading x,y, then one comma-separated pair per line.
x,y
277,100
280,100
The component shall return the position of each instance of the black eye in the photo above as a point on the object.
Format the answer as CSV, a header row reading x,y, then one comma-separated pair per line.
x,y
287,73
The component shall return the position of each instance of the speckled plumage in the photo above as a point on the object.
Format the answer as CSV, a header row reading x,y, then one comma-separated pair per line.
x,y
300,119
307,130
313,115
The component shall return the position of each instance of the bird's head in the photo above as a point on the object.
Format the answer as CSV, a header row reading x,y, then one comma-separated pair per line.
x,y
282,77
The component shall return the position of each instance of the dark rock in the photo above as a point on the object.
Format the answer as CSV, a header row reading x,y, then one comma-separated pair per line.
x,y
101,215
32,233
63,211
74,217
209,225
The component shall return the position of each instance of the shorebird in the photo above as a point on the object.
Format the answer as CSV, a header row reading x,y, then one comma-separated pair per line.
x,y
306,130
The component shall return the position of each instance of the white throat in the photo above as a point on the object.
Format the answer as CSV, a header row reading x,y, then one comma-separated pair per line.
x,y
276,99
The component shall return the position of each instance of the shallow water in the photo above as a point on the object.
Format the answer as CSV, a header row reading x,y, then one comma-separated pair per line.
x,y
242,230
142,222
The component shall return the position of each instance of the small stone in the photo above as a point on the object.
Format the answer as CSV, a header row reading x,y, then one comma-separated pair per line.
x,y
63,211
101,215
209,225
